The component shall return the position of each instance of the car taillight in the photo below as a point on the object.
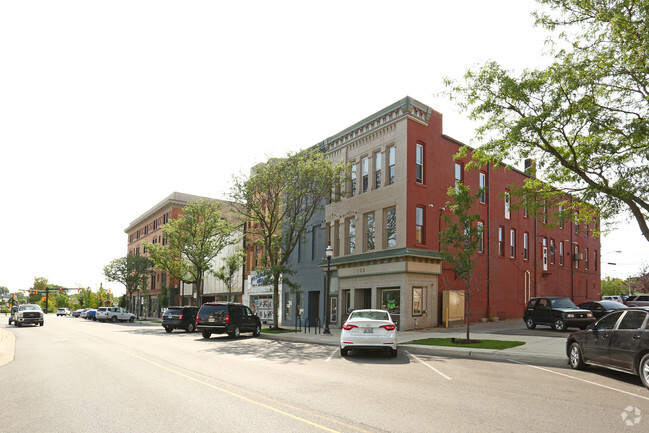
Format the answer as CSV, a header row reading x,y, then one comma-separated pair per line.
x,y
227,319
388,327
181,316
347,327
197,319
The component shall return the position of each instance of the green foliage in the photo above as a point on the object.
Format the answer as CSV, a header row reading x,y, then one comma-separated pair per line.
x,y
583,119
279,199
460,240
614,286
163,297
131,271
228,271
193,241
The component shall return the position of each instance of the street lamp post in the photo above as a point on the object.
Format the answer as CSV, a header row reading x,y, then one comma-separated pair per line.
x,y
329,252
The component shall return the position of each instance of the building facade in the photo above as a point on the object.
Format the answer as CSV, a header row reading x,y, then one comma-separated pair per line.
x,y
385,224
147,227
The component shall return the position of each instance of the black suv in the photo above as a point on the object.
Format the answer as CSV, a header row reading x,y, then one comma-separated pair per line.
x,y
180,318
220,317
559,313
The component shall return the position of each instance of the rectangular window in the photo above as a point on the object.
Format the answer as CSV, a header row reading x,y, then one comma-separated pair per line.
x,y
545,213
391,227
138,234
419,225
165,218
480,237
333,309
483,187
353,179
512,243
377,170
595,261
146,229
370,232
552,251
560,253
501,241
576,256
365,174
526,246
459,173
420,163
155,224
586,259
391,164
508,207
417,301
561,217
351,235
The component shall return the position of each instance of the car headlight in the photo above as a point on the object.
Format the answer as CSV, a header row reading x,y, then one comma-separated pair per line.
x,y
589,315
570,315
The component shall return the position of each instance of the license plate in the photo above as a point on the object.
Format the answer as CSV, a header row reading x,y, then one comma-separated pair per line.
x,y
368,331
210,320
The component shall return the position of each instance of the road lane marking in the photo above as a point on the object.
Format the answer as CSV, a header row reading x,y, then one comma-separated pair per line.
x,y
332,355
429,366
581,380
177,371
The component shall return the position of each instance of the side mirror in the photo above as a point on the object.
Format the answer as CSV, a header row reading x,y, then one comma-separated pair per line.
x,y
592,327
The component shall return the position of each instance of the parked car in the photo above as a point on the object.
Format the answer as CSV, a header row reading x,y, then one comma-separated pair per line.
x,y
114,314
180,318
63,312
84,314
220,317
91,314
602,308
619,340
638,301
77,313
369,329
557,312
27,314
616,298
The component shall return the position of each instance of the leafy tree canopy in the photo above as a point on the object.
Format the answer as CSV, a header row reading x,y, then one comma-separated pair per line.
x,y
583,119
279,199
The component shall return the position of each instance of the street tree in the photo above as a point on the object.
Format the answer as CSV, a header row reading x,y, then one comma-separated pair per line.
x,y
37,291
193,241
278,199
132,271
228,272
614,286
582,119
460,240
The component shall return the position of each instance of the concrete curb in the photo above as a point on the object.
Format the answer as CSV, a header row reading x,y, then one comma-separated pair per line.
x,y
7,346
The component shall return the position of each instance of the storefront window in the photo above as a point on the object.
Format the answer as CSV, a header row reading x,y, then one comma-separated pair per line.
x,y
392,300
417,300
333,313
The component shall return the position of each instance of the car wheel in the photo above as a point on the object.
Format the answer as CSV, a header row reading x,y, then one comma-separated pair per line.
x,y
113,319
530,323
42,323
190,327
236,332
643,370
257,331
559,325
394,352
576,358
131,319
206,334
344,351
168,328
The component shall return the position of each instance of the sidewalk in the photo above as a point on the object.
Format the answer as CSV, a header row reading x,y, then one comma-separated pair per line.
x,y
547,350
7,343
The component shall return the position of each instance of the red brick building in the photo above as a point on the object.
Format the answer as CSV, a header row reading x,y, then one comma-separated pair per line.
x,y
385,229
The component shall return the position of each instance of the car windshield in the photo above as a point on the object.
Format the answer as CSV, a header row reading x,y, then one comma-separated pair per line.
x,y
372,315
562,303
29,307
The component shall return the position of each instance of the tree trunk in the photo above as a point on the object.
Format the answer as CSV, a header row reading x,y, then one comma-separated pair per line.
x,y
468,316
275,302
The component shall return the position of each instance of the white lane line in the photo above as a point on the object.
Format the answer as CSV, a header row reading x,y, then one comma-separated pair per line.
x,y
430,366
332,355
581,380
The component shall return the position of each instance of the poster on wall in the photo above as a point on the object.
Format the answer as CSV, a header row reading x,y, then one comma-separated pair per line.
x,y
263,308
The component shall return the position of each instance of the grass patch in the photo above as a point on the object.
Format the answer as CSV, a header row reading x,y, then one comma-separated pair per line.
x,y
277,331
482,344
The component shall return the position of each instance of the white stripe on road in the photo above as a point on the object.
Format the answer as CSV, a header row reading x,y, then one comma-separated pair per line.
x,y
430,366
332,355
581,380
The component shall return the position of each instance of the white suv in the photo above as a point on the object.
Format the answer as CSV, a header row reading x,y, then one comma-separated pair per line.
x,y
114,314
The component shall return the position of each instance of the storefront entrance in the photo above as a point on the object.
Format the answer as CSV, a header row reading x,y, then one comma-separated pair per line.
x,y
391,301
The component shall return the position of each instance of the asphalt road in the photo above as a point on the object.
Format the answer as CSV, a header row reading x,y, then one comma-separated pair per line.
x,y
74,375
